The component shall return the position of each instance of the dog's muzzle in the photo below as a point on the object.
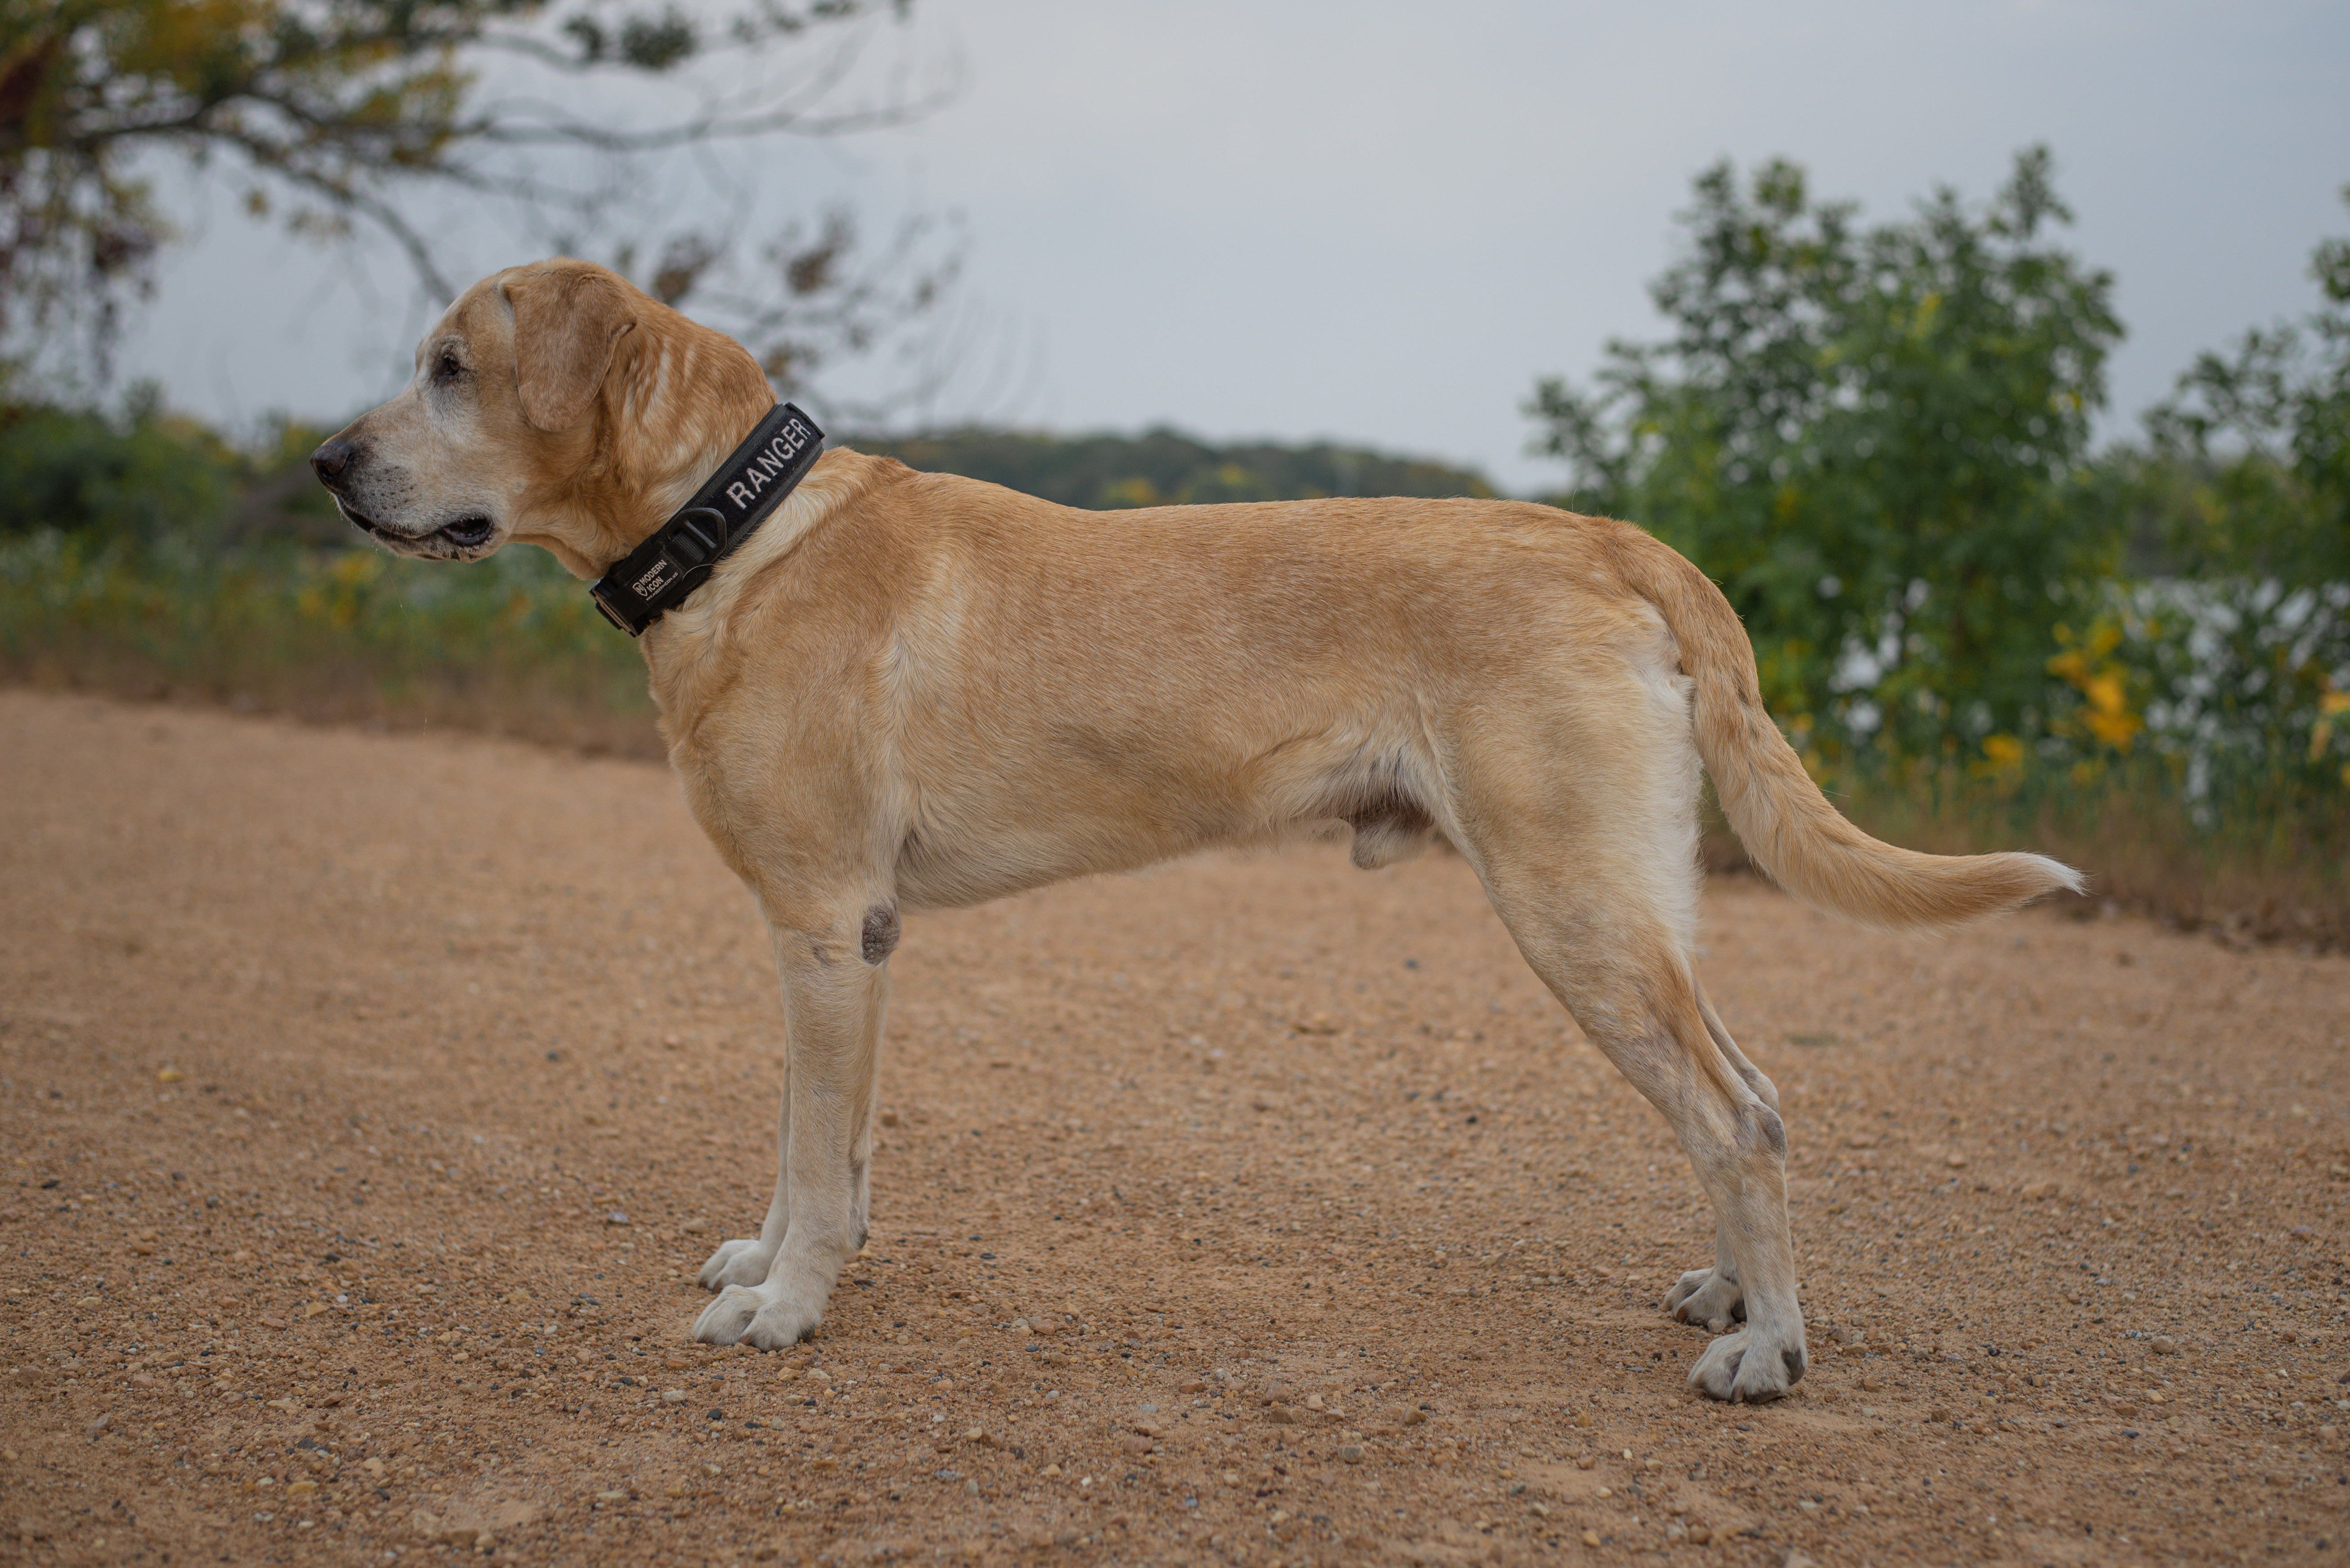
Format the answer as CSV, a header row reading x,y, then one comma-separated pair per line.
x,y
332,463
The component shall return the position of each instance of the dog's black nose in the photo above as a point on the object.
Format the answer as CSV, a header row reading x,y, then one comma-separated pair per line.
x,y
331,459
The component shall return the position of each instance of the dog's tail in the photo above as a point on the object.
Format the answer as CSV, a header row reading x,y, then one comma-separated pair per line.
x,y
1787,825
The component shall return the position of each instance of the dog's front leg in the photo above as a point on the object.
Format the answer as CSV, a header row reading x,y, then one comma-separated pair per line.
x,y
744,1260
835,993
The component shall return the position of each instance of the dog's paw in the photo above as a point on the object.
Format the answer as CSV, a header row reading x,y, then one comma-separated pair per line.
x,y
1704,1297
739,1263
1748,1366
769,1317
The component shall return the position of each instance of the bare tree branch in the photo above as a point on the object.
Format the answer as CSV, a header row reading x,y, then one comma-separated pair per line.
x,y
362,108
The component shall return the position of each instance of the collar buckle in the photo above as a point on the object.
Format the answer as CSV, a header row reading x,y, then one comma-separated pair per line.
x,y
698,537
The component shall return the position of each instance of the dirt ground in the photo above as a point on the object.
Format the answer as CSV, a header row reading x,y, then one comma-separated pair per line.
x,y
367,1103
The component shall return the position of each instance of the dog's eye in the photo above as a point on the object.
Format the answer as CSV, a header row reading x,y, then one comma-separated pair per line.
x,y
447,368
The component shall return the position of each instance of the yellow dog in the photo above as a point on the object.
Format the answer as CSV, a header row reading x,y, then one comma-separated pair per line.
x,y
910,690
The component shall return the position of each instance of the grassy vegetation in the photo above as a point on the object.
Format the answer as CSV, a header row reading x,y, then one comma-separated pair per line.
x,y
512,647
2246,873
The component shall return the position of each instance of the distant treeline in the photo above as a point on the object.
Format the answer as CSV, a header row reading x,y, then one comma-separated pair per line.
x,y
1162,467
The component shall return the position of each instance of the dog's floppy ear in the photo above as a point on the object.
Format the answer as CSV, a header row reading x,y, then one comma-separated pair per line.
x,y
566,326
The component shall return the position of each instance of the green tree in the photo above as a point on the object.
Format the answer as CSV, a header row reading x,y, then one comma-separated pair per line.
x,y
332,113
2247,467
1872,437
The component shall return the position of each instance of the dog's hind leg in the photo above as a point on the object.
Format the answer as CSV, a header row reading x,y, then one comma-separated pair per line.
x,y
1577,803
1593,867
1747,1179
1713,1297
1622,974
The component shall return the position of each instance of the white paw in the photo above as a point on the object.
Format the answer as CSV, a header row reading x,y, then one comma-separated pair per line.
x,y
738,1262
1749,1365
1703,1295
771,1317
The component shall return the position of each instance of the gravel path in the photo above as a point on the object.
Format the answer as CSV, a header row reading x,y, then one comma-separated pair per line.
x,y
368,1101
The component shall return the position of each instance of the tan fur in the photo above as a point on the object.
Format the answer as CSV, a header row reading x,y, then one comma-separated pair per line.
x,y
565,327
913,690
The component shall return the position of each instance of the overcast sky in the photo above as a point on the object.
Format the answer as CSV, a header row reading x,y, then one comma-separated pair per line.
x,y
1380,223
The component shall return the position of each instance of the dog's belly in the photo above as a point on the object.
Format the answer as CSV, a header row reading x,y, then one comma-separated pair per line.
x,y
1089,809
978,859
977,873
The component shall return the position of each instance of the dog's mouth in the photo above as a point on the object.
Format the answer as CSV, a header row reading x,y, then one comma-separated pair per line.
x,y
467,533
463,536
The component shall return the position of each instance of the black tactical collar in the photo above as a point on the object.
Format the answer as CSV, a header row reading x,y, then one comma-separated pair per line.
x,y
659,574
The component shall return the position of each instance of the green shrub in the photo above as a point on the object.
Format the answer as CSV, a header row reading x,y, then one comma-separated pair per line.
x,y
138,475
512,646
1875,439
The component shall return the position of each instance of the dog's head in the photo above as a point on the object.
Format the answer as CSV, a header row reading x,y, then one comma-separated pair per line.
x,y
555,404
